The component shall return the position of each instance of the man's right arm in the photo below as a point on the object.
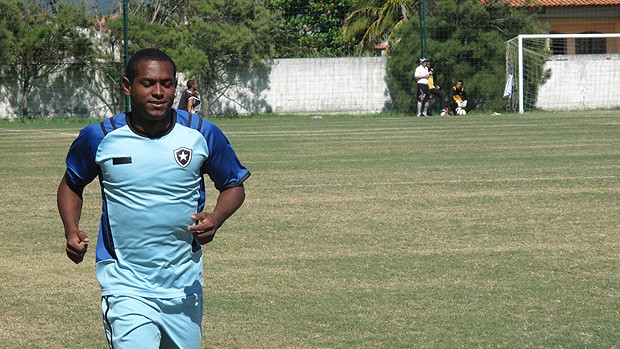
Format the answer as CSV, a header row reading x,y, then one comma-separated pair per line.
x,y
69,201
190,105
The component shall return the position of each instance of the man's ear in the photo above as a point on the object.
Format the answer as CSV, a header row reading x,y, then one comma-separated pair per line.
x,y
176,82
126,84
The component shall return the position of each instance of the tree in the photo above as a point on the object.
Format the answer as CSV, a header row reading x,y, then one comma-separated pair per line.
x,y
466,40
6,38
107,67
206,38
160,11
226,35
39,43
311,28
376,21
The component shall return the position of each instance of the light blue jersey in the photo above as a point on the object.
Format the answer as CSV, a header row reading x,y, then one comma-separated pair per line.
x,y
150,187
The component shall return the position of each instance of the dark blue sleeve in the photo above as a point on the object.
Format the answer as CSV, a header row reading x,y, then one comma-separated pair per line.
x,y
81,166
222,166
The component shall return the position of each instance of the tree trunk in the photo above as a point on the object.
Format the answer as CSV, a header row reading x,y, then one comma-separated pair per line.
x,y
23,100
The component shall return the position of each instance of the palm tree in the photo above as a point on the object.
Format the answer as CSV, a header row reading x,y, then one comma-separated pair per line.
x,y
377,20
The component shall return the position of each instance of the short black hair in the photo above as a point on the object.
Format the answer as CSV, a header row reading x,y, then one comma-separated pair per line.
x,y
146,54
190,83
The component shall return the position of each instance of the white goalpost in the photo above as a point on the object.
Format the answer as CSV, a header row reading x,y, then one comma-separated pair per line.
x,y
563,71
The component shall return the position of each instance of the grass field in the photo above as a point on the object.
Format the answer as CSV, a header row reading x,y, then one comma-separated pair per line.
x,y
358,232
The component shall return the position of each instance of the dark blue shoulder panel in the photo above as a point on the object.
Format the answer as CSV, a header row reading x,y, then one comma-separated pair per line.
x,y
81,166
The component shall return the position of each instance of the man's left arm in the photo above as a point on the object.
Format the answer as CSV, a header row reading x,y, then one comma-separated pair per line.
x,y
464,95
228,201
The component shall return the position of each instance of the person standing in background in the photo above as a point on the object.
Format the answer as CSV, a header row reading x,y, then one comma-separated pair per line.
x,y
423,94
435,90
189,97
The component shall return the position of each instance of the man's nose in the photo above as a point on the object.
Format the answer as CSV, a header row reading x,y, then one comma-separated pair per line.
x,y
158,90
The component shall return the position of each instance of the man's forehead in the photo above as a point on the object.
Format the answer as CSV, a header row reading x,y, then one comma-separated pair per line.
x,y
150,68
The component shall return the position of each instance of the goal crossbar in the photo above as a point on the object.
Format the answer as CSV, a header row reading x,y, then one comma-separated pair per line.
x,y
567,36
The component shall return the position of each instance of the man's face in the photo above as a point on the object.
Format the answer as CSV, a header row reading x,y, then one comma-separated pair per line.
x,y
459,84
152,90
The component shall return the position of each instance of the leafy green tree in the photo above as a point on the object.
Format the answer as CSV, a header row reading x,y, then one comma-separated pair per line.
x,y
39,43
225,35
206,38
107,68
311,28
6,36
466,40
158,11
375,21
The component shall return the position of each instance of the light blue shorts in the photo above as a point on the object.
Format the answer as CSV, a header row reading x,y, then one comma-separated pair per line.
x,y
152,323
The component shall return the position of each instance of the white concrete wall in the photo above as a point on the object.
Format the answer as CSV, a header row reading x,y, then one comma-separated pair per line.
x,y
336,85
581,82
313,86
6,108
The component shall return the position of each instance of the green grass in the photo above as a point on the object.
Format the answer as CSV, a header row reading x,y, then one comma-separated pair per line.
x,y
358,232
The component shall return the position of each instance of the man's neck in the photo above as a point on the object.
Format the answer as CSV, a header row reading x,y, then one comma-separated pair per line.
x,y
151,128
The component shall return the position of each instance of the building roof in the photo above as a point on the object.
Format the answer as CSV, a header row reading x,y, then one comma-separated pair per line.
x,y
563,2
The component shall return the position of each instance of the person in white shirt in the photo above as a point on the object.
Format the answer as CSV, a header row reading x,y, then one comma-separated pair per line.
x,y
421,74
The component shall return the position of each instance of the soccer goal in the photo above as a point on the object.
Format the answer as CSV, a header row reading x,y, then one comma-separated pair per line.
x,y
563,71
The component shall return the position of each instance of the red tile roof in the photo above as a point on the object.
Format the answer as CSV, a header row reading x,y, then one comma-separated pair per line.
x,y
563,2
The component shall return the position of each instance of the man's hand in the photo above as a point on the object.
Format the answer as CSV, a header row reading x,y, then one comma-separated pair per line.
x,y
77,245
206,227
207,223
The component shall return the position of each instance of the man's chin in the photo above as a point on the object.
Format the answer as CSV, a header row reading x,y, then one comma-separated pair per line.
x,y
158,114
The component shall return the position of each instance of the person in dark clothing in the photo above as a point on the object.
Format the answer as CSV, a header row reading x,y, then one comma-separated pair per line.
x,y
459,99
189,97
435,90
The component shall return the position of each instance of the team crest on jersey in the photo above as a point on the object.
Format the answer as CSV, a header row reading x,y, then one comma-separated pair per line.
x,y
183,156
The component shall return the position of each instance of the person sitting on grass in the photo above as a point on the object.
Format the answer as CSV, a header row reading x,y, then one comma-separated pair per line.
x,y
459,99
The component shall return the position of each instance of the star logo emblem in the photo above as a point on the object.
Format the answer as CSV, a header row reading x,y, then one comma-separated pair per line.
x,y
183,156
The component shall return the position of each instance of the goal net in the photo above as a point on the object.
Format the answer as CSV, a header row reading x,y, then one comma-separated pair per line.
x,y
563,71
